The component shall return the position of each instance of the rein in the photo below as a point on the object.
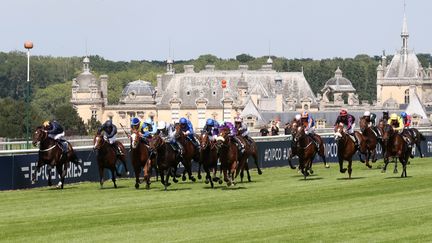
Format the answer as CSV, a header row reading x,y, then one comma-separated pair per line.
x,y
48,149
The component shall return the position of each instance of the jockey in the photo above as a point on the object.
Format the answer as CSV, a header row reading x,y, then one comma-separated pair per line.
x,y
110,131
187,129
407,123
56,132
309,124
396,122
370,118
141,127
151,124
349,121
233,134
242,129
211,128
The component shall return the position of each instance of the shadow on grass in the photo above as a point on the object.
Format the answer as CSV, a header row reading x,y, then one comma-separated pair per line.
x,y
112,187
310,178
53,188
397,177
352,178
176,189
233,188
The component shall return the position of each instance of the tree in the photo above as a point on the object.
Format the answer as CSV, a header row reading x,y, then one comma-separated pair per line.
x,y
92,126
244,58
70,120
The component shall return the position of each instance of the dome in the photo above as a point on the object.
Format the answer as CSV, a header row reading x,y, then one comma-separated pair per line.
x,y
269,61
339,83
138,88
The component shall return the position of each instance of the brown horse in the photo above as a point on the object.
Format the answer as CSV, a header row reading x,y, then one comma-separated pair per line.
x,y
166,159
140,156
396,147
208,157
293,150
346,148
228,156
50,153
371,141
107,157
189,152
251,150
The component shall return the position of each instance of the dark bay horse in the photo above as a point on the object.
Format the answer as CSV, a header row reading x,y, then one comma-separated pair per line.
x,y
50,153
208,157
371,140
107,157
251,150
396,147
189,152
306,151
416,138
140,156
346,148
228,156
166,159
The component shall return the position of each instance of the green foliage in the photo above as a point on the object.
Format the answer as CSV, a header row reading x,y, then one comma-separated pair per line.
x,y
244,58
47,100
13,118
70,120
92,126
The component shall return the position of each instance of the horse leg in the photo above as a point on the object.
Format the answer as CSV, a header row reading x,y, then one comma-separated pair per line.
x,y
395,167
374,155
123,160
247,172
199,171
33,175
137,174
61,173
418,146
367,156
255,157
162,176
349,168
49,175
147,173
188,169
290,162
322,155
386,161
101,176
167,184
341,168
113,176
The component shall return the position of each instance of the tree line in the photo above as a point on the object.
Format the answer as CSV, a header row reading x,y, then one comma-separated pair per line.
x,y
51,77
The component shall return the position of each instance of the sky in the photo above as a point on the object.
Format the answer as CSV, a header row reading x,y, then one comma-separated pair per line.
x,y
154,30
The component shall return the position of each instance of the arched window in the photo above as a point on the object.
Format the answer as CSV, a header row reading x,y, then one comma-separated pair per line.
x,y
407,96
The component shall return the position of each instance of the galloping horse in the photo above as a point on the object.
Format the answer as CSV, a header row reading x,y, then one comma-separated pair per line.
x,y
189,152
208,157
228,156
166,159
396,147
250,150
107,157
416,138
50,153
346,148
140,156
306,151
371,141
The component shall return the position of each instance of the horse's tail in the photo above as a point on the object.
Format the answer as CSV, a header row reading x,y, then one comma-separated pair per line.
x,y
421,136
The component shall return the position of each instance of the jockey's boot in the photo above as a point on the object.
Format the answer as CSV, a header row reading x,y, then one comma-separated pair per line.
x,y
180,150
65,146
249,139
356,142
117,149
195,143
240,145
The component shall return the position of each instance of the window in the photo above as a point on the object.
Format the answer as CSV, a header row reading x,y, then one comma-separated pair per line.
x,y
214,93
306,107
407,96
188,93
94,114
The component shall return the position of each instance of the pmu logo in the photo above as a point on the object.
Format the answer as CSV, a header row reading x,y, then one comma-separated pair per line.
x,y
73,171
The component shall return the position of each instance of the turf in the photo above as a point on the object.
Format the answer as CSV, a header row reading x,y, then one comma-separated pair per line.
x,y
277,206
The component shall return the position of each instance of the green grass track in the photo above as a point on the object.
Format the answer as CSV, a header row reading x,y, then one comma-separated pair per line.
x,y
277,206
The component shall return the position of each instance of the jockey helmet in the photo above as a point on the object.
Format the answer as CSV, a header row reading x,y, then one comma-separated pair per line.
x,y
298,117
305,114
135,121
183,120
46,123
108,123
343,112
366,113
385,112
161,125
403,114
394,116
210,122
238,119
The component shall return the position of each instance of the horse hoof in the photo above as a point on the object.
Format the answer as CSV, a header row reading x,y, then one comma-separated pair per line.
x,y
33,182
136,185
148,186
259,172
206,181
175,180
311,172
115,186
293,167
216,179
183,178
167,184
422,156
193,179
199,177
343,170
369,166
327,166
220,182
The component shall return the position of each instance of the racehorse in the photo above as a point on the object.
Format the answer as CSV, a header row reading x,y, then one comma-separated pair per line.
x,y
371,141
396,147
140,156
189,152
166,159
250,150
228,156
416,138
208,157
50,153
306,149
293,150
346,148
107,157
